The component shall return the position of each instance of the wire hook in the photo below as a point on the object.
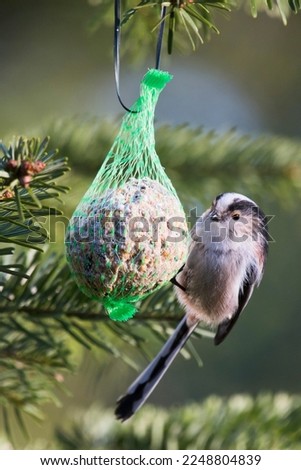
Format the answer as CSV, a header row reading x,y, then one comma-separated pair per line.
x,y
117,34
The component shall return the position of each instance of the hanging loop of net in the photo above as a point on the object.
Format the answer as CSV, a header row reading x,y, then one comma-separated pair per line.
x,y
128,235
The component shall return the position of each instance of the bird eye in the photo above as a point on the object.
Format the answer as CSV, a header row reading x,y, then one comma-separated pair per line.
x,y
236,215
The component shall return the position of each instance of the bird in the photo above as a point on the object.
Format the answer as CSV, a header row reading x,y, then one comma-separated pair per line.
x,y
225,262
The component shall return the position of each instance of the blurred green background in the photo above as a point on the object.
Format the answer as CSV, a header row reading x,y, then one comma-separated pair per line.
x,y
54,68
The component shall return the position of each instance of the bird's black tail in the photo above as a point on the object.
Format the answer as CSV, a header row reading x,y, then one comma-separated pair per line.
x,y
143,386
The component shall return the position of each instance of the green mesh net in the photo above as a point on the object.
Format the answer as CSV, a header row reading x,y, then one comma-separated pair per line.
x,y
128,235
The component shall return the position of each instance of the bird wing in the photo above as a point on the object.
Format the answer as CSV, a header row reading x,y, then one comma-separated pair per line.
x,y
245,293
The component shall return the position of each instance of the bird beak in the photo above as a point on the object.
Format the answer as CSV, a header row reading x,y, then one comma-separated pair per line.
x,y
214,216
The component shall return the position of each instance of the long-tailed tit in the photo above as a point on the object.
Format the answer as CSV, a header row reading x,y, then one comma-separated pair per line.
x,y
227,254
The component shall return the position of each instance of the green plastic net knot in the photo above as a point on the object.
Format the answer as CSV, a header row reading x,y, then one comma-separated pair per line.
x,y
156,79
119,310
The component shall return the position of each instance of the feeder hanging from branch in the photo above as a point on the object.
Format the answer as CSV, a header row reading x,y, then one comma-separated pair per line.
x,y
128,235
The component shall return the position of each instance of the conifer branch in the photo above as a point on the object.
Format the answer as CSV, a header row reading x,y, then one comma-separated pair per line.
x,y
192,19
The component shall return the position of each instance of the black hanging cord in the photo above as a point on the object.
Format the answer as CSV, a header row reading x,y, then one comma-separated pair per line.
x,y
160,37
117,48
117,53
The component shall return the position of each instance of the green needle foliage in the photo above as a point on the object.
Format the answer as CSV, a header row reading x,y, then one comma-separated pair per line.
x,y
199,163
194,20
239,422
31,355
28,174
